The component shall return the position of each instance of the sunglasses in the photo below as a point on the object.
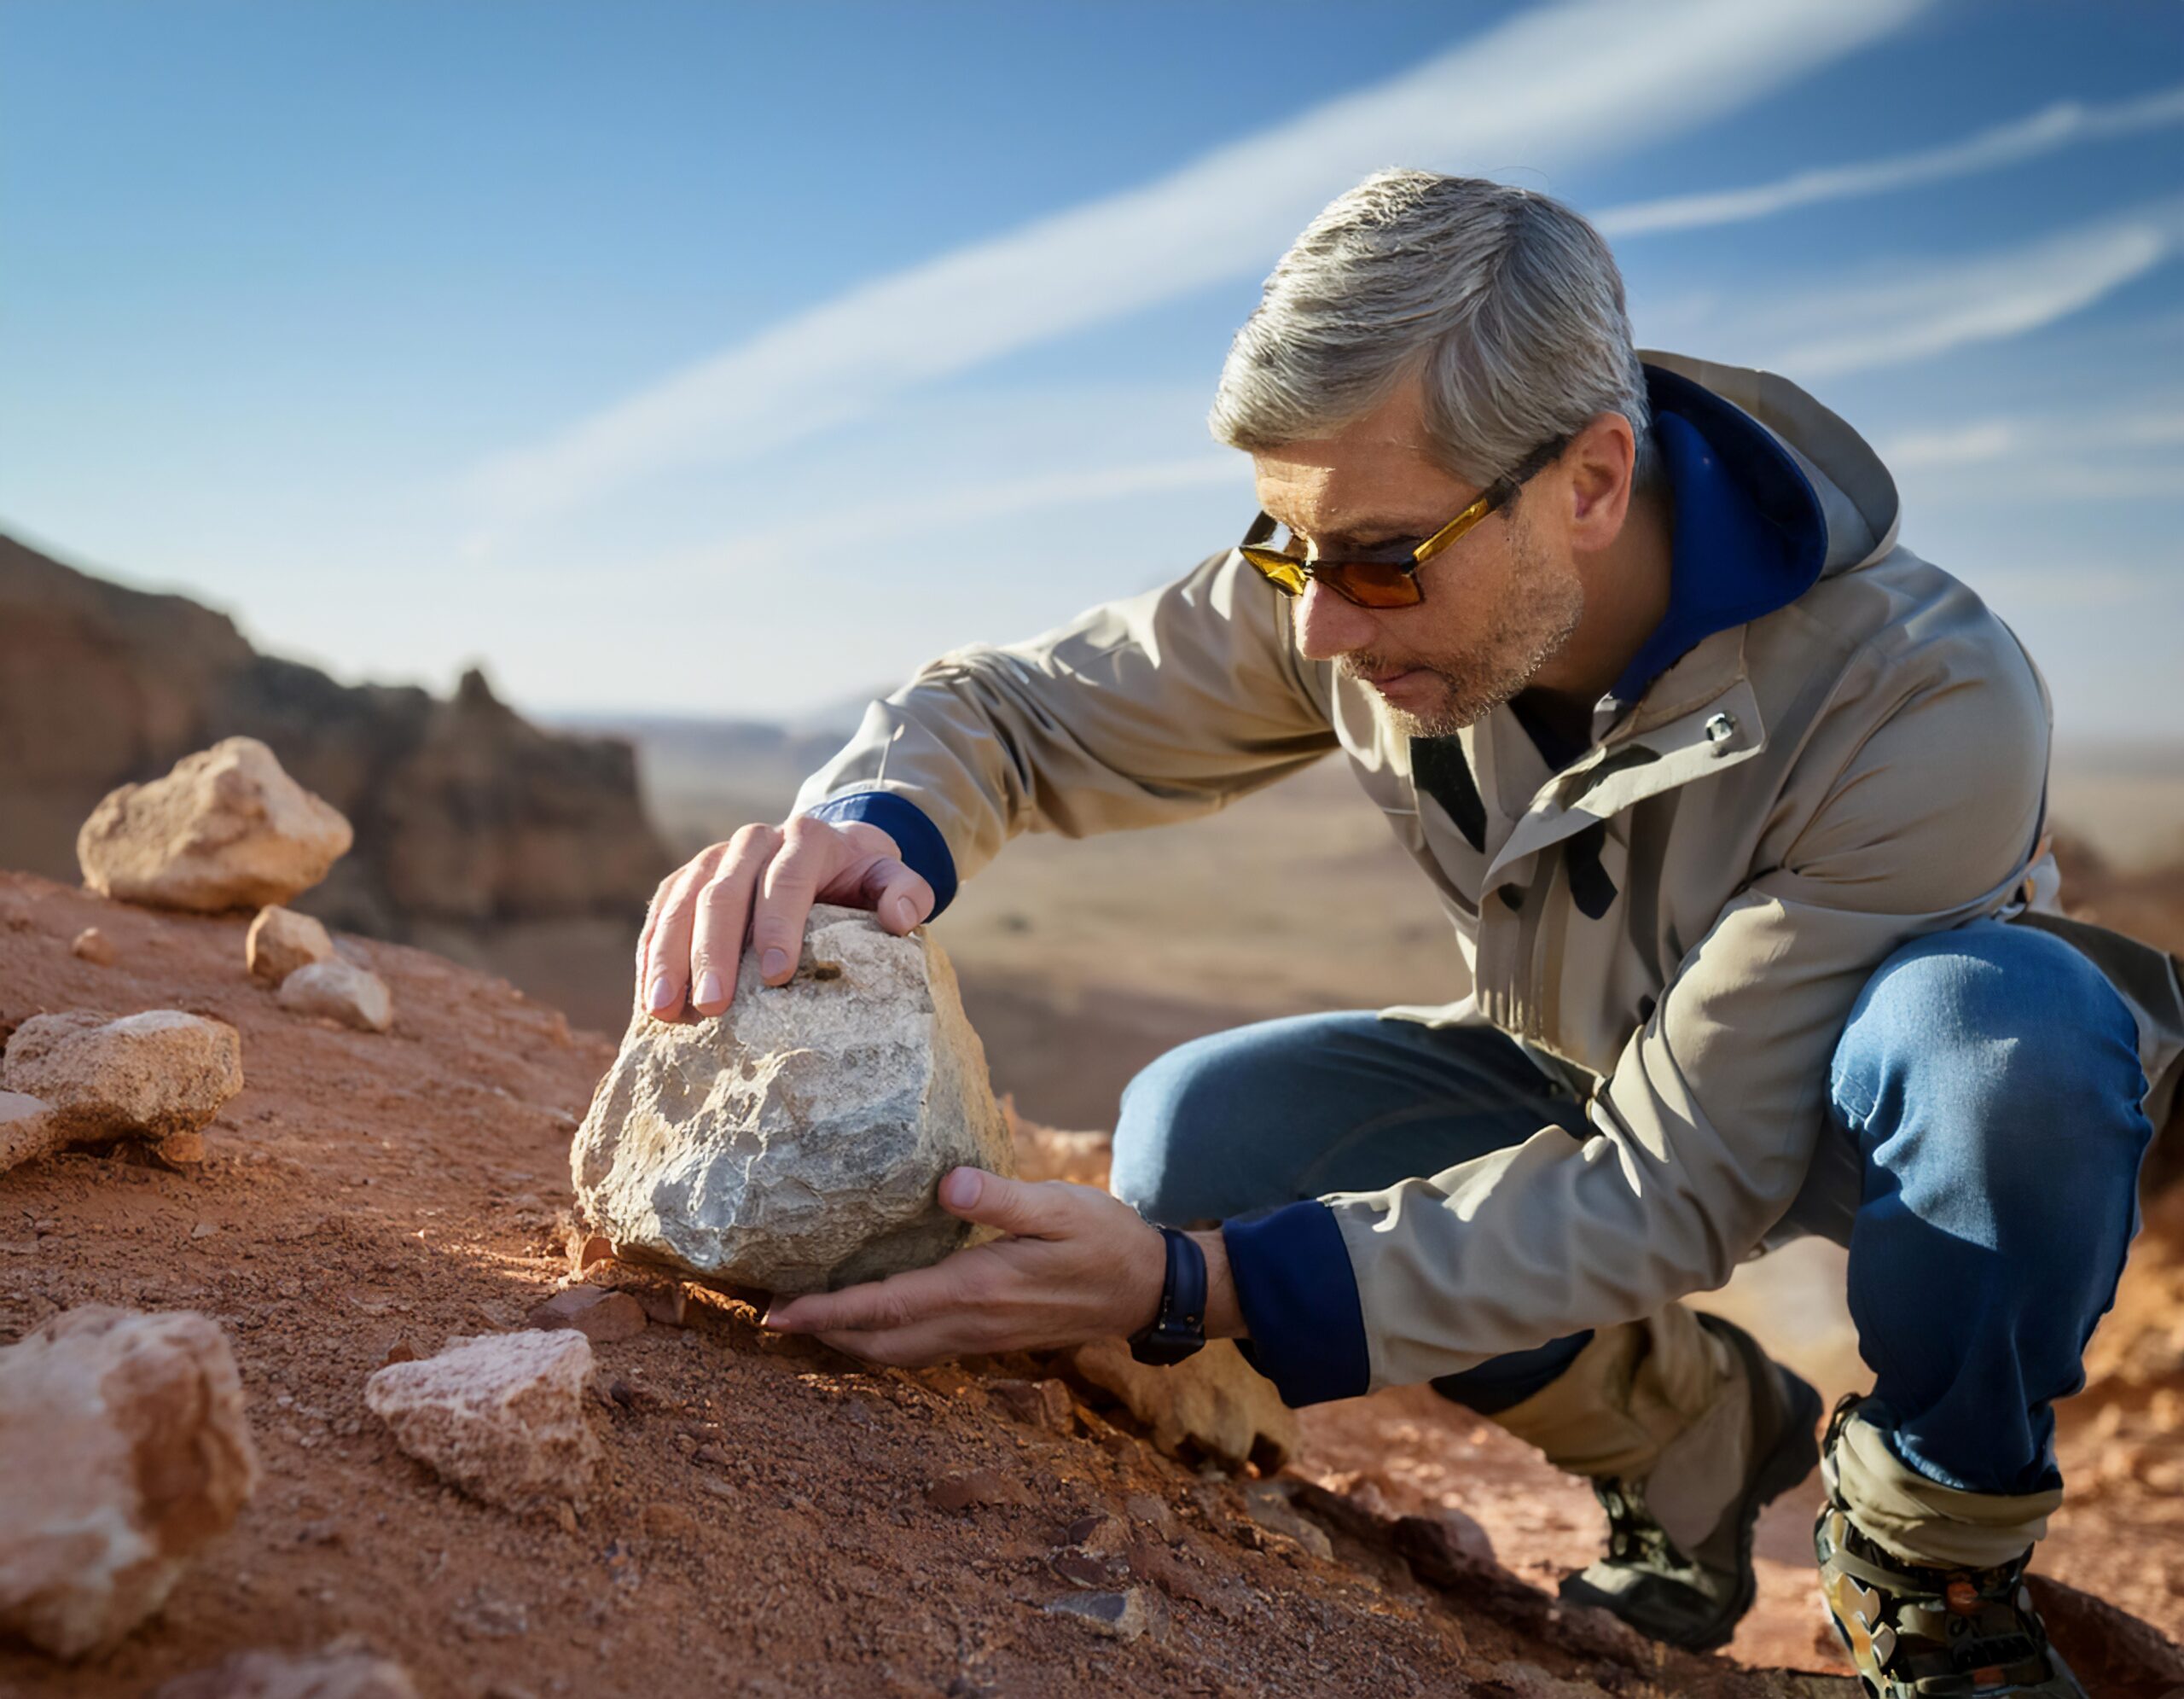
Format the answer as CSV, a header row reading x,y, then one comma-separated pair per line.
x,y
1386,575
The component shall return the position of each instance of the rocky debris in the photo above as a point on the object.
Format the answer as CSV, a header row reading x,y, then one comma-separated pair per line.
x,y
602,1316
280,940
1128,1614
94,946
975,1487
797,1142
181,1150
227,829
500,1416
1268,1504
27,1129
1037,1404
149,1076
1213,1402
333,1673
337,989
123,1449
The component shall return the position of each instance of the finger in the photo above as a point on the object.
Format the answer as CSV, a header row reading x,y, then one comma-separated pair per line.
x,y
898,897
1029,1209
899,1301
722,910
810,849
668,953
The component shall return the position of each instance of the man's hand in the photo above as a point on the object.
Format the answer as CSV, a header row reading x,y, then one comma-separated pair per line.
x,y
762,883
1080,1265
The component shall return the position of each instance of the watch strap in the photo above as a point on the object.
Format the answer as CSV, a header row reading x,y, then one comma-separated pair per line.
x,y
1178,1326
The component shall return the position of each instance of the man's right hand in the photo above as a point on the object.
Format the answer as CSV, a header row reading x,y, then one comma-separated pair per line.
x,y
761,884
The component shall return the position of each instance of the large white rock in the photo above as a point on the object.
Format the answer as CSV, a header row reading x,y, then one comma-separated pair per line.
x,y
502,1416
148,1076
123,1449
335,1673
797,1142
227,829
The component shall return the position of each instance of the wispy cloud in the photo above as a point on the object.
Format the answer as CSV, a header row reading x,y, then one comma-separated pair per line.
x,y
1916,310
1545,91
2046,131
2011,436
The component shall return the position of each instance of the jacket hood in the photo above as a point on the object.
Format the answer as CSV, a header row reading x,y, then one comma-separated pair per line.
x,y
1859,507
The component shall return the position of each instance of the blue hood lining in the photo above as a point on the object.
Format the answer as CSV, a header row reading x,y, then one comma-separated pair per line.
x,y
1750,537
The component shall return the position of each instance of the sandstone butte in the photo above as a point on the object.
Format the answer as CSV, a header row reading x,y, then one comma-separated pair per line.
x,y
797,1142
770,1517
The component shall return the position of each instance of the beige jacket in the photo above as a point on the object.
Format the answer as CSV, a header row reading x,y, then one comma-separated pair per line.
x,y
1781,808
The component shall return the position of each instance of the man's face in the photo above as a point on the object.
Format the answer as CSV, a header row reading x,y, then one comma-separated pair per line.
x,y
1500,603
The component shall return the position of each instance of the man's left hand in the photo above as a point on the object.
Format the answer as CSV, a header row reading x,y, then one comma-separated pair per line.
x,y
1077,1265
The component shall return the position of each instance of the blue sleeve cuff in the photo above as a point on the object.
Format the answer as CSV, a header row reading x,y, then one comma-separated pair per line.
x,y
1299,1299
925,852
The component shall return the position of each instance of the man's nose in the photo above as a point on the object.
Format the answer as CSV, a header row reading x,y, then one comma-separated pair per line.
x,y
1327,626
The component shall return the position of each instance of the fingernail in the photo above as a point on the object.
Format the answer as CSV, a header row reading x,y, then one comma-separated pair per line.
x,y
773,962
961,1187
709,986
772,1318
906,912
661,994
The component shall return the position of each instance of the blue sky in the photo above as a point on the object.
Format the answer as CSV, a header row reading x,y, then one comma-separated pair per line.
x,y
718,358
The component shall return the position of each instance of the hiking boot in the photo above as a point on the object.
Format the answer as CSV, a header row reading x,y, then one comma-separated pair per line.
x,y
1695,1599
1915,1631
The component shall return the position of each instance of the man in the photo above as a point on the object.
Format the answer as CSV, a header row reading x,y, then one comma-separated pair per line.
x,y
1737,807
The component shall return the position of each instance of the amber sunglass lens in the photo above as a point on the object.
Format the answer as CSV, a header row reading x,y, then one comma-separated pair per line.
x,y
1372,586
1281,573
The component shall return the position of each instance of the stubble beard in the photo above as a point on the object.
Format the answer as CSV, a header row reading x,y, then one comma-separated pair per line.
x,y
1529,629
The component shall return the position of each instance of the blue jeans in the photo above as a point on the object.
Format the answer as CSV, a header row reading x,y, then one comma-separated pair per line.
x,y
1988,1078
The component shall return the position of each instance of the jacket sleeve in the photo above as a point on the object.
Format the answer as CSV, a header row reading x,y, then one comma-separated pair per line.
x,y
1929,800
1137,712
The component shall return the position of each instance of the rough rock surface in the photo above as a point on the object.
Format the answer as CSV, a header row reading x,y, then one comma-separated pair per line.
x,y
502,1416
330,1674
1214,1401
280,940
149,1075
27,1129
226,830
338,990
797,1142
123,1449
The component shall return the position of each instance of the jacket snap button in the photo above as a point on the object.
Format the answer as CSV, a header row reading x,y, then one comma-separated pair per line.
x,y
1720,729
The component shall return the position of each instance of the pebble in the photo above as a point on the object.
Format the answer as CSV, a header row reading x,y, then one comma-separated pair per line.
x,y
1124,1615
95,947
603,1317
977,1487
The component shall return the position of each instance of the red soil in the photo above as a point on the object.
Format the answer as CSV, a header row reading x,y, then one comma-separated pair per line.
x,y
762,1524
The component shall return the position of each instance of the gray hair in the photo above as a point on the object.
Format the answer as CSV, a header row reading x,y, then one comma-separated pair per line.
x,y
1506,303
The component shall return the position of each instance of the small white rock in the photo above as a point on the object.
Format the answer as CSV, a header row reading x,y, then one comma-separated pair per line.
x,y
280,940
340,990
502,1416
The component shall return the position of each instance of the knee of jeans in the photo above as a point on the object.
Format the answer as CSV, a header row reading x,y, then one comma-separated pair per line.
x,y
2008,1044
1150,1170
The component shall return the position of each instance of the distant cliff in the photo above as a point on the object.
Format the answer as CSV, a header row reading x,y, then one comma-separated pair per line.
x,y
467,816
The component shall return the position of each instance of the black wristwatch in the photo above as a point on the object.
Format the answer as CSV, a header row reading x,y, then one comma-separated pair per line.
x,y
1178,1326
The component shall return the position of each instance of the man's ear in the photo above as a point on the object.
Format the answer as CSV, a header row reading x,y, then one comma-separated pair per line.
x,y
1599,464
